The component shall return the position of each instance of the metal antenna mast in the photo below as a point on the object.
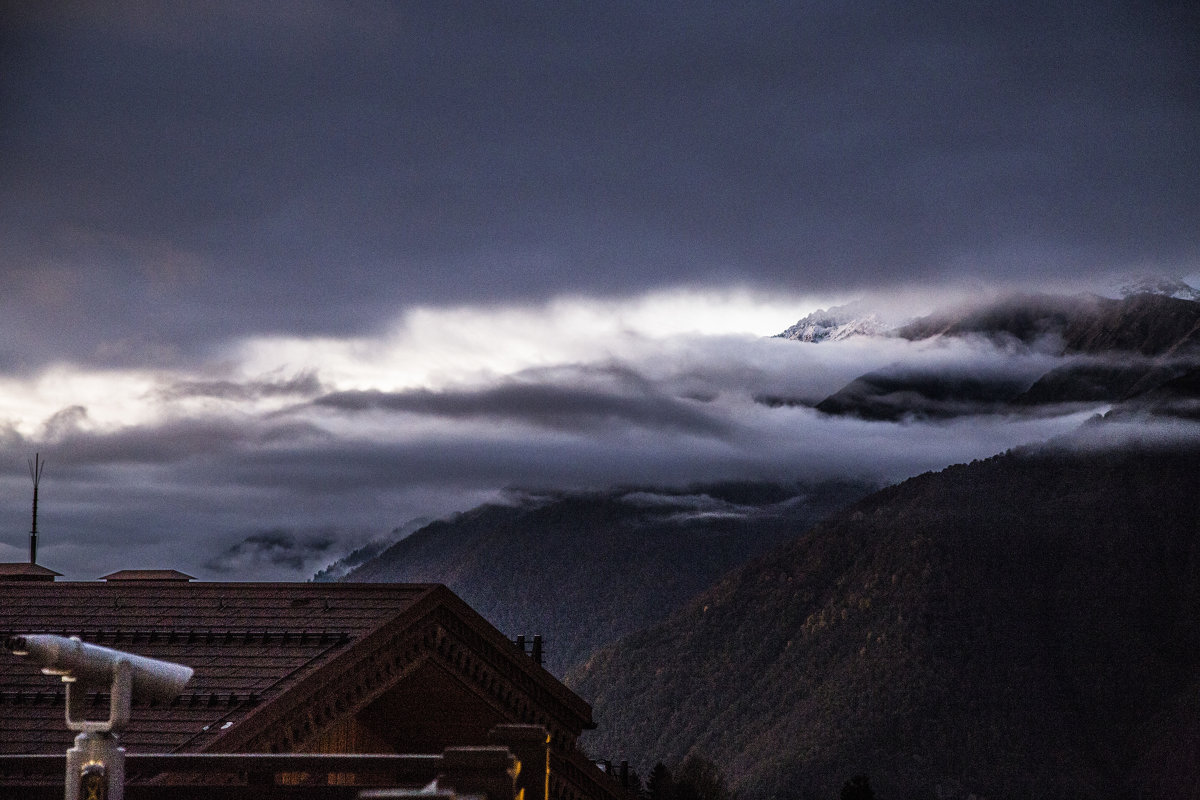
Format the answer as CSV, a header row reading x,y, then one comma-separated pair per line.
x,y
36,465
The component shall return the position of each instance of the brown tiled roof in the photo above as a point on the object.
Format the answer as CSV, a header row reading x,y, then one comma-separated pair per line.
x,y
24,571
248,643
279,666
147,575
275,664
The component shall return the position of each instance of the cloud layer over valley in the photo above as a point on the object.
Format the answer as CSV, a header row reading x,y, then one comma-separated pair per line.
x,y
280,277
227,471
176,178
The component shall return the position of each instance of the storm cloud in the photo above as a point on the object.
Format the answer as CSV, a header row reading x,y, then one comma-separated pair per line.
x,y
180,177
284,274
545,405
200,490
275,548
298,386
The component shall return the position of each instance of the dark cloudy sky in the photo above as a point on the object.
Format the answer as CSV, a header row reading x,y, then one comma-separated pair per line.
x,y
309,269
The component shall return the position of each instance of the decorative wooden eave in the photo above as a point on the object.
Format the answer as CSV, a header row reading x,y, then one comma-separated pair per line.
x,y
437,626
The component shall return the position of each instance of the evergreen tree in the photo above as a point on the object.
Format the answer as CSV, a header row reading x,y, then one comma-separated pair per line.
x,y
700,779
634,784
659,785
858,788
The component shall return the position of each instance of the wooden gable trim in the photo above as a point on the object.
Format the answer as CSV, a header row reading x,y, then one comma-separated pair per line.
x,y
502,655
437,626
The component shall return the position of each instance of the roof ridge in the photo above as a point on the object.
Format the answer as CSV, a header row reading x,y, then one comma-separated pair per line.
x,y
224,635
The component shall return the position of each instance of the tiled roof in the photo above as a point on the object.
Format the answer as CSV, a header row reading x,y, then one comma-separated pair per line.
x,y
24,571
147,575
248,644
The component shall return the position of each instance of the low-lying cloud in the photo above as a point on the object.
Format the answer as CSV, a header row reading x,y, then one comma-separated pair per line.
x,y
550,406
273,475
274,549
303,385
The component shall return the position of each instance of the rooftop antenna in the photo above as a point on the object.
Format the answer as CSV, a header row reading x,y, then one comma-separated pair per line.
x,y
36,465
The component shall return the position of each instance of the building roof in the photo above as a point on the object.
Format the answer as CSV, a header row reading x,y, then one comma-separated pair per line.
x,y
274,663
22,571
147,575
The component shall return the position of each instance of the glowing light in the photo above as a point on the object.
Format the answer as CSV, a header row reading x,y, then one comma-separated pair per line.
x,y
426,347
437,347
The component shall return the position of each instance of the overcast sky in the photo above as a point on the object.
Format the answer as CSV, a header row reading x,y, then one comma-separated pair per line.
x,y
311,269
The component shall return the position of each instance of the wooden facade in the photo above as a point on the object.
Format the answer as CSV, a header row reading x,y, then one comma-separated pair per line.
x,y
296,668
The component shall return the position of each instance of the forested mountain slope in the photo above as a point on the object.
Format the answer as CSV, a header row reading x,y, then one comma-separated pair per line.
x,y
1107,351
1024,626
1147,324
586,568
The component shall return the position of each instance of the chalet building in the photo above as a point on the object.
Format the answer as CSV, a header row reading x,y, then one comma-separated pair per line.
x,y
320,668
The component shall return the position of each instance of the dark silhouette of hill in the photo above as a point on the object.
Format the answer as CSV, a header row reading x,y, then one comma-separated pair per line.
x,y
1148,324
1086,383
1024,626
1136,345
1025,318
1178,396
584,569
898,393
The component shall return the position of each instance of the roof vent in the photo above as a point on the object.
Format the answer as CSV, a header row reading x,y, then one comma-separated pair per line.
x,y
147,575
21,571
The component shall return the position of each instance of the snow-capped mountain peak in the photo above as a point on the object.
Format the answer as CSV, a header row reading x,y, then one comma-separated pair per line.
x,y
835,324
1156,284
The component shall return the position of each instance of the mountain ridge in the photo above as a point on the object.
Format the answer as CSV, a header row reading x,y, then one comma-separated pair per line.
x,y
860,318
836,324
585,568
1113,351
1003,628
1148,324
